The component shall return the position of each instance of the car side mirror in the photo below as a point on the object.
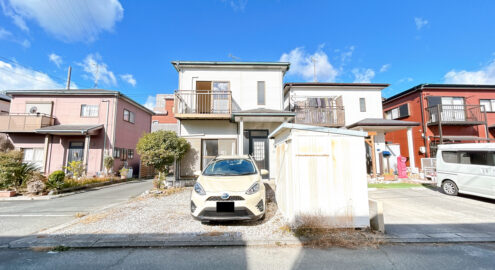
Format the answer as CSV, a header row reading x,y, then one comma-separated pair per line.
x,y
264,172
197,173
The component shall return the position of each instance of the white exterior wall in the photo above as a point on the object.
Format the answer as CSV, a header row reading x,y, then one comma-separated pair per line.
x,y
208,129
329,179
243,84
350,99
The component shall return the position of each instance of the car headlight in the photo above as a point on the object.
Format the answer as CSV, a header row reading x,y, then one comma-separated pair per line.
x,y
199,189
253,189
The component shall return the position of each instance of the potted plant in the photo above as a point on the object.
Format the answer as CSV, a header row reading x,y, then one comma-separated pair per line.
x,y
123,173
108,162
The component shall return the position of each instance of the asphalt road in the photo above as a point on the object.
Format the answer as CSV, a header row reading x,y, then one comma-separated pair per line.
x,y
21,218
481,256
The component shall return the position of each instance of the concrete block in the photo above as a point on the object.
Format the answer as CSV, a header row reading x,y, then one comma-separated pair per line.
x,y
377,222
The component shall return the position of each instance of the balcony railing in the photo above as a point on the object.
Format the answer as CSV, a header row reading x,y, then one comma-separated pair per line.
x,y
24,122
456,115
202,104
333,116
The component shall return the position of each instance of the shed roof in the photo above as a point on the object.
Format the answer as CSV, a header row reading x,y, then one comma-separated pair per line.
x,y
339,131
383,122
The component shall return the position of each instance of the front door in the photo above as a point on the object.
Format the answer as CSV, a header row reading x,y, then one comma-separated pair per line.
x,y
256,145
76,151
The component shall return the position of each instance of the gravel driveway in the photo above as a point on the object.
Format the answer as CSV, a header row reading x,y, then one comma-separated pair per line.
x,y
169,216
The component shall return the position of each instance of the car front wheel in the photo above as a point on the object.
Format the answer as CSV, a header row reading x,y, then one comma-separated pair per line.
x,y
450,188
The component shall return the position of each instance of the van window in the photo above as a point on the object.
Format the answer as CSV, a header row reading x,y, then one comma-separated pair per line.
x,y
473,157
449,156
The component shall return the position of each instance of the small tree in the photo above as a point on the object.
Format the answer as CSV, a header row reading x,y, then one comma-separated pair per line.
x,y
76,168
108,162
161,148
14,173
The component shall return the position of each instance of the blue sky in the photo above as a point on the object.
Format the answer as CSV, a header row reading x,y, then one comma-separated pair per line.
x,y
128,45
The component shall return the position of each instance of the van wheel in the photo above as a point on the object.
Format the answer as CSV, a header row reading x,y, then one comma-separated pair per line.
x,y
450,188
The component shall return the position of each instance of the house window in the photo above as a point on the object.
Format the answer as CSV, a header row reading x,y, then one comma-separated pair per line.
x,y
130,154
261,93
489,105
89,110
362,104
33,155
399,112
213,148
128,116
116,153
155,122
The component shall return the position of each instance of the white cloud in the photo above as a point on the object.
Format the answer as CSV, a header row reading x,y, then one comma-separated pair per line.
x,y
56,59
407,79
302,65
7,35
420,23
16,77
98,70
363,75
16,18
345,56
70,21
237,5
385,67
485,75
129,78
150,102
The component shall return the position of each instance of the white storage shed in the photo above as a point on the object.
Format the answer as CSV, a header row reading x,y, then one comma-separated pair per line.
x,y
321,172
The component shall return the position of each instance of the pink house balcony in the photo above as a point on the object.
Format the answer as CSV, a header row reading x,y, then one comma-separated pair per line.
x,y
24,122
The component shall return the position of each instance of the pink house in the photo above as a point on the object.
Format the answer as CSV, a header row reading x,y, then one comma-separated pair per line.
x,y
54,127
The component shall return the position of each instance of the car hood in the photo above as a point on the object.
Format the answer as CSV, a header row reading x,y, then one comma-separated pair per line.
x,y
227,183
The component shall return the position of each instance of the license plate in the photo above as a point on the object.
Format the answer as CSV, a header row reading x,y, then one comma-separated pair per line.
x,y
225,206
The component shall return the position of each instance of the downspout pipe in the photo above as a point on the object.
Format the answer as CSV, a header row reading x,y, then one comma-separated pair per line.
x,y
425,138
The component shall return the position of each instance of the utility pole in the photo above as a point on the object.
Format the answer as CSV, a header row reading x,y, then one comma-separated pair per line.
x,y
68,77
314,69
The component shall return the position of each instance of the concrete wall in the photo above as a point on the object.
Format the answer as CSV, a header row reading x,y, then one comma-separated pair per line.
x,y
243,84
322,174
350,99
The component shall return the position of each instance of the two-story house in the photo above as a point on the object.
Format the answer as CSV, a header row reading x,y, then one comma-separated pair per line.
x,y
164,118
355,106
448,113
229,108
55,127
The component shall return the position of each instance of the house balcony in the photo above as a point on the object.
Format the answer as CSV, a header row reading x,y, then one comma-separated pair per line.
x,y
455,115
202,104
24,122
333,116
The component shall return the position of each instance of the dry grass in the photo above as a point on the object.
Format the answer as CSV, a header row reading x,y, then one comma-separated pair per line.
x,y
173,190
314,231
214,233
80,215
94,218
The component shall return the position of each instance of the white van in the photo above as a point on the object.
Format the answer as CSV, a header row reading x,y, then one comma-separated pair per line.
x,y
467,168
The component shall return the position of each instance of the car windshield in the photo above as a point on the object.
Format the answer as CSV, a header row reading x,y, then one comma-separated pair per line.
x,y
230,167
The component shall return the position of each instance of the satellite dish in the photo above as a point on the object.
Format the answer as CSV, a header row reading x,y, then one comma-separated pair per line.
x,y
33,109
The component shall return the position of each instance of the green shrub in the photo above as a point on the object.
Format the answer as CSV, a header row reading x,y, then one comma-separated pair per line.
x,y
13,173
56,180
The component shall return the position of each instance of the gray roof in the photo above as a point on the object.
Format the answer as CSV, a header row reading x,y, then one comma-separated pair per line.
x,y
383,122
4,97
69,129
283,65
340,131
86,92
